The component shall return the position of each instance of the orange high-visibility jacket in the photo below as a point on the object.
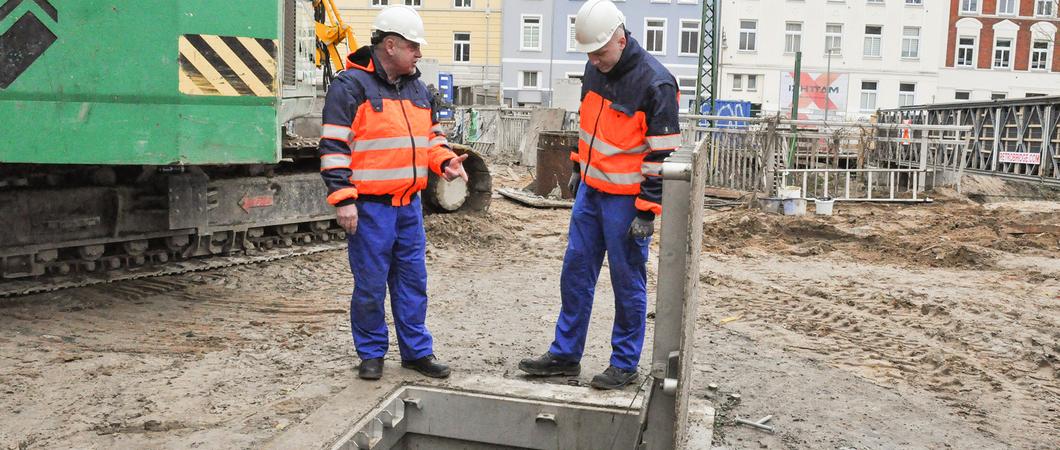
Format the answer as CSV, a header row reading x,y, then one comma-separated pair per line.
x,y
628,126
379,138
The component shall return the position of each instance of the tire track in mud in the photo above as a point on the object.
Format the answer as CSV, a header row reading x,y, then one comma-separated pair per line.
x,y
905,336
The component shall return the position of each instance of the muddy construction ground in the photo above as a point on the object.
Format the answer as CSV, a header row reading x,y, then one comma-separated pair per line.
x,y
884,326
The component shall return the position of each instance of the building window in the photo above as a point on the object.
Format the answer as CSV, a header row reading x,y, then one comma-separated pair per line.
x,y
748,35
1007,7
1040,55
969,6
689,38
962,95
745,82
998,95
413,3
529,79
461,3
530,34
1003,53
833,38
965,52
914,2
792,37
571,39
873,37
1033,94
461,47
687,87
906,94
380,2
868,96
911,42
655,35
1044,8
877,2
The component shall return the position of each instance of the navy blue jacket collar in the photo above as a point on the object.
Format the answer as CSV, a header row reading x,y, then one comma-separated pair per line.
x,y
365,59
631,57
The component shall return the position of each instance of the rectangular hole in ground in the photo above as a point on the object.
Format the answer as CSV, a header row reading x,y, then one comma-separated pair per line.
x,y
431,418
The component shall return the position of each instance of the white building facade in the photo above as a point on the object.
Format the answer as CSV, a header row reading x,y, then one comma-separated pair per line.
x,y
884,54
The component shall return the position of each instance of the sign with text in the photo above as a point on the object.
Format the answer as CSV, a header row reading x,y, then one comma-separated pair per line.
x,y
1019,157
817,92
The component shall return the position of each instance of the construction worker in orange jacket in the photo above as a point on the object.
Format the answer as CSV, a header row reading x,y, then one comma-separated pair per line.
x,y
380,136
628,126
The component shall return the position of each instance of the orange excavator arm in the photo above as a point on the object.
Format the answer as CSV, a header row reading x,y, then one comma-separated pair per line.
x,y
331,32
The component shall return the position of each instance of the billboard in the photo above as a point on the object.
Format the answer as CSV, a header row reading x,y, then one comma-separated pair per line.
x,y
817,92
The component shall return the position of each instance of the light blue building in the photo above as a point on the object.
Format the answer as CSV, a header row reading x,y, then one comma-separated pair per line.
x,y
541,68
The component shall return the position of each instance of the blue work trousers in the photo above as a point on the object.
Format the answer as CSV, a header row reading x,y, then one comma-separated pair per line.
x,y
600,223
388,252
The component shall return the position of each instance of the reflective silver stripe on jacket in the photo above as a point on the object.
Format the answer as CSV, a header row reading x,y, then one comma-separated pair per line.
x,y
651,168
608,149
388,174
440,140
367,145
333,161
437,129
338,133
615,178
667,142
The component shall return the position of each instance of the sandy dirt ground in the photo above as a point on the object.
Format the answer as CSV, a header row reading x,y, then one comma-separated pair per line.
x,y
885,326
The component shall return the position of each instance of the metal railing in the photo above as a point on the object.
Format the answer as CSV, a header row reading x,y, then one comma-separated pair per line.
x,y
873,185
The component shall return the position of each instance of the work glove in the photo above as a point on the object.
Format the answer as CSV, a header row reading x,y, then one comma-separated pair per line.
x,y
642,228
575,181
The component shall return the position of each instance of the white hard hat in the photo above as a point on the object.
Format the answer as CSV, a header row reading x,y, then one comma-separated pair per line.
x,y
402,20
596,22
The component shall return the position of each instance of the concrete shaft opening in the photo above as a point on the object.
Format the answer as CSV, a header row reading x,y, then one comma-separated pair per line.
x,y
432,418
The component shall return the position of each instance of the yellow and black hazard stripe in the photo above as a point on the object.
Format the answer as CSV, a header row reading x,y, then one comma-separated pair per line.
x,y
227,65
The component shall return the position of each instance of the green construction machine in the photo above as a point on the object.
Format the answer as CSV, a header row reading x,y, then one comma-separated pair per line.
x,y
138,133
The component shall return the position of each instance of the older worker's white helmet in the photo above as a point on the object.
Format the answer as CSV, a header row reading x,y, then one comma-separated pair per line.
x,y
402,20
596,22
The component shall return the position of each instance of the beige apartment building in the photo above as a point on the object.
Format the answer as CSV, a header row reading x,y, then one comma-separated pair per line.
x,y
464,39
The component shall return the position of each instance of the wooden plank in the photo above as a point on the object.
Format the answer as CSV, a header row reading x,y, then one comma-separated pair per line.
x,y
535,201
1032,229
728,194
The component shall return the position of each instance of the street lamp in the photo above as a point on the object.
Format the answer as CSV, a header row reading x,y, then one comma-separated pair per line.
x,y
828,79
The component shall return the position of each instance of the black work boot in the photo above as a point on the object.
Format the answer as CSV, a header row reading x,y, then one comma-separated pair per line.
x,y
613,378
371,369
548,365
427,366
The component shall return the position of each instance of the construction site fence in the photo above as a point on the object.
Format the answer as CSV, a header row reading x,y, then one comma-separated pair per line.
x,y
841,160
826,159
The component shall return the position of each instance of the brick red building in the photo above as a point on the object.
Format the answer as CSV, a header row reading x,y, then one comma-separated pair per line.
x,y
1001,48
